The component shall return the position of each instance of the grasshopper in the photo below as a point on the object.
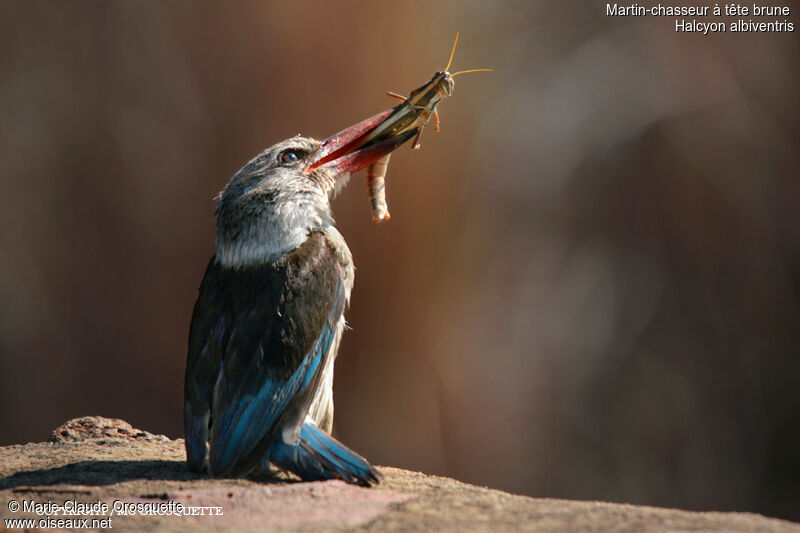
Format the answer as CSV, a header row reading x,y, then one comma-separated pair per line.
x,y
405,120
414,113
416,110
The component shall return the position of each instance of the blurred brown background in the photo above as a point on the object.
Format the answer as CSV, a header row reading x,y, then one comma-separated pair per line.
x,y
590,285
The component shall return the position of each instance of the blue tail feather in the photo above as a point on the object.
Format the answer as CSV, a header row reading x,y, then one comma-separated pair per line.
x,y
316,455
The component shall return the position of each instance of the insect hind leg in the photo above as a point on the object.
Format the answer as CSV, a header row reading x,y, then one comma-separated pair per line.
x,y
415,143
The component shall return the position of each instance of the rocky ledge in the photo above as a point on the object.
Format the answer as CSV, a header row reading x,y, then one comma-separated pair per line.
x,y
109,474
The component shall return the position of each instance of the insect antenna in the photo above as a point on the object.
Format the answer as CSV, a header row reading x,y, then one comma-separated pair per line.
x,y
471,70
452,53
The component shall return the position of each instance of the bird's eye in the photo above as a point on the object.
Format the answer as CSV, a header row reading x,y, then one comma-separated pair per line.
x,y
289,157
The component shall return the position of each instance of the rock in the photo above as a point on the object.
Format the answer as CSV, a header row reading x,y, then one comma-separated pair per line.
x,y
98,427
105,470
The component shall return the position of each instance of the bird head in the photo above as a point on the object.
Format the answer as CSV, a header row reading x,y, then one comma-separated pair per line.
x,y
269,207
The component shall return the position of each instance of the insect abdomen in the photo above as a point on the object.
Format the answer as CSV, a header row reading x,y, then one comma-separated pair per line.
x,y
376,188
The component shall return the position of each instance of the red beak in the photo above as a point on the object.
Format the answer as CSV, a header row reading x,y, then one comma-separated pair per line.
x,y
346,152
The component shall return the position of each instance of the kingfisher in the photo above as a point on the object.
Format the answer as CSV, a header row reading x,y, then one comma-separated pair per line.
x,y
270,314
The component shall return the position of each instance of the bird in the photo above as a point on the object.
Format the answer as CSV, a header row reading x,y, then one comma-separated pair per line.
x,y
269,316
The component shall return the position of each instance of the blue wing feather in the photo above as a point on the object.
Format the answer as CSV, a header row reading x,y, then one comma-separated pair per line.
x,y
241,428
253,399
